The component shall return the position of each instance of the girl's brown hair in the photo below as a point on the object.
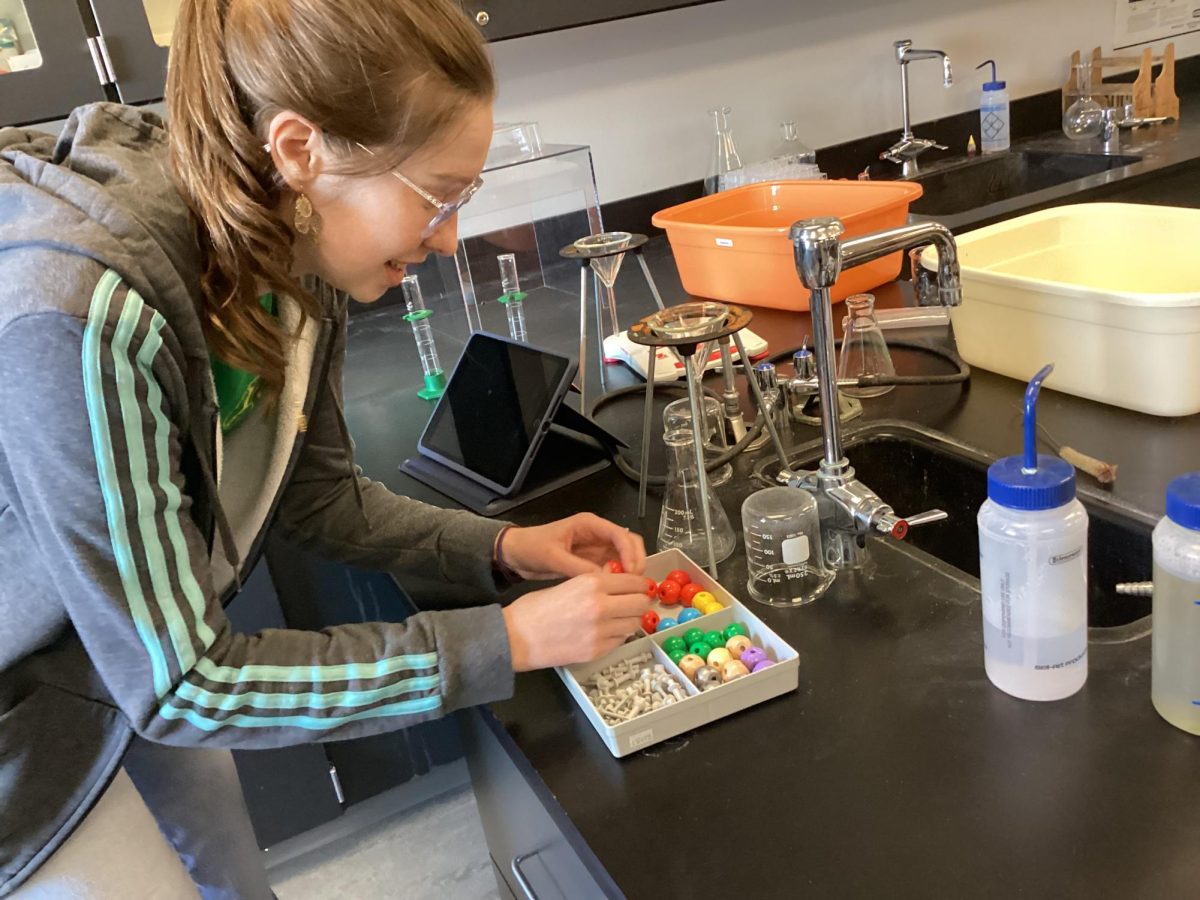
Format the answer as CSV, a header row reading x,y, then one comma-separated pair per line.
x,y
390,74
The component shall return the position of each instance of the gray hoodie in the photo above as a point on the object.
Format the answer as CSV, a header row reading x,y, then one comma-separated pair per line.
x,y
109,621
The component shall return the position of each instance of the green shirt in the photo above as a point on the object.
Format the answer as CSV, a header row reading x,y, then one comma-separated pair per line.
x,y
237,390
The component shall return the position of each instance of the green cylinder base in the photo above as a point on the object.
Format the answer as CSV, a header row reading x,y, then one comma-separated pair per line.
x,y
435,386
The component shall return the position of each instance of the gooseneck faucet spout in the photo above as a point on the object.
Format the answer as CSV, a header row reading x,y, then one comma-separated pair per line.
x,y
909,147
856,251
848,508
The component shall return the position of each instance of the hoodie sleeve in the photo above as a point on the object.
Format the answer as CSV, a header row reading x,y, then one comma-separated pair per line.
x,y
91,410
331,509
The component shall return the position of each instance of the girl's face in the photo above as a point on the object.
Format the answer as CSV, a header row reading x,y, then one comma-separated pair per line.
x,y
372,226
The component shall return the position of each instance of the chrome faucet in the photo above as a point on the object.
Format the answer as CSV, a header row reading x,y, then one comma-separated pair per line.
x,y
909,147
849,509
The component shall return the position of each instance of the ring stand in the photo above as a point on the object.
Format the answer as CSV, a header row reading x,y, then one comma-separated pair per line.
x,y
603,254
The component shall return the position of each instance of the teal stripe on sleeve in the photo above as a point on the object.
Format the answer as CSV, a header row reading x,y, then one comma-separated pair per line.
x,y
230,702
311,723
315,674
192,591
139,470
110,482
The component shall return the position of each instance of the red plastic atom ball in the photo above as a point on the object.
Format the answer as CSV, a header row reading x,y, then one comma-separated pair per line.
x,y
668,592
651,588
614,567
679,576
649,621
688,591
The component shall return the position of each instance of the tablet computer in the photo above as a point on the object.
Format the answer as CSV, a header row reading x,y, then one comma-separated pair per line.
x,y
499,404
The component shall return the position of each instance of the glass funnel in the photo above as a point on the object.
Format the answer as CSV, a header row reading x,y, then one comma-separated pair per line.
x,y
681,523
699,319
1083,119
864,350
606,267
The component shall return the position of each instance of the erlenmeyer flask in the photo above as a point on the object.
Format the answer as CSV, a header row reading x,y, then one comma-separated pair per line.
x,y
682,521
864,351
1084,119
678,414
792,151
725,164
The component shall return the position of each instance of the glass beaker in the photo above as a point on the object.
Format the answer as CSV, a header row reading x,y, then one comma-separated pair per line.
x,y
783,547
681,524
1083,119
864,350
725,165
678,414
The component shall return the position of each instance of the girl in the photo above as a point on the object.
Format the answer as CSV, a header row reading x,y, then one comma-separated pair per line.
x,y
172,330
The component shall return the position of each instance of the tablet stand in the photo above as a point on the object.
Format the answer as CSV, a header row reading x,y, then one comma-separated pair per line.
x,y
573,448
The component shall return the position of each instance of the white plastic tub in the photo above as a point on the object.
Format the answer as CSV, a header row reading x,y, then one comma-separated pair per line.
x,y
1108,292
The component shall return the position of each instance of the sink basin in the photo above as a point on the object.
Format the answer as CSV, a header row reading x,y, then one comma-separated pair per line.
x,y
973,183
914,469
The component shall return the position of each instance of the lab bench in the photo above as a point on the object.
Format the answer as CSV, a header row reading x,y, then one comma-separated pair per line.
x,y
895,769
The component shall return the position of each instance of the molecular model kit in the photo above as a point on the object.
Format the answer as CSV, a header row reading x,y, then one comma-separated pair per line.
x,y
702,656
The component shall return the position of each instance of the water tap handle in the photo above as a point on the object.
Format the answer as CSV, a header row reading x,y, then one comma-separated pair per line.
x,y
767,377
891,524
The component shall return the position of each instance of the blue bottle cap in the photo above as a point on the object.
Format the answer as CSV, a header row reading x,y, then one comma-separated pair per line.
x,y
992,85
1183,501
1049,486
1033,481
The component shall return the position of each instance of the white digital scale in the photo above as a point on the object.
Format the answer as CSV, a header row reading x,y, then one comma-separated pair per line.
x,y
667,367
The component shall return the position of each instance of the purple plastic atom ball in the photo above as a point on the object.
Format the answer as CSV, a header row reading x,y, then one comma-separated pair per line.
x,y
752,656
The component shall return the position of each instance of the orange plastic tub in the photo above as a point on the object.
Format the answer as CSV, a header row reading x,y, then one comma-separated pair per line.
x,y
734,246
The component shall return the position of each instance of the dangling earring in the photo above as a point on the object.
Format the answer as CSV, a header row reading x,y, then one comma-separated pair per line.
x,y
307,221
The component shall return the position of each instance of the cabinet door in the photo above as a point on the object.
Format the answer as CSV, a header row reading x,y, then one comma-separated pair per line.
x,y
315,594
288,790
46,68
137,34
500,19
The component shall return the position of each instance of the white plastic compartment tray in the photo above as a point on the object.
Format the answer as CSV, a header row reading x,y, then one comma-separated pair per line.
x,y
1108,292
699,708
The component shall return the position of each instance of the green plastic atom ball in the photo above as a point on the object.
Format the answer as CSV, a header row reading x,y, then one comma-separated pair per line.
x,y
674,643
735,629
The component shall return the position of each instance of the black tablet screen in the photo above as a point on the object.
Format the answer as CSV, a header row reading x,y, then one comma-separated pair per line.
x,y
493,406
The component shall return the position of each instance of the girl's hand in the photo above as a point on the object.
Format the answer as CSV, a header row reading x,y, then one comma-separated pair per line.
x,y
573,546
576,621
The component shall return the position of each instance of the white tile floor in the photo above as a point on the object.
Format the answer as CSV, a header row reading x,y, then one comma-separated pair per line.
x,y
435,851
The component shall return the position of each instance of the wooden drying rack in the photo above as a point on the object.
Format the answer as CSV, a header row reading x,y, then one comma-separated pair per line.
x,y
1150,97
